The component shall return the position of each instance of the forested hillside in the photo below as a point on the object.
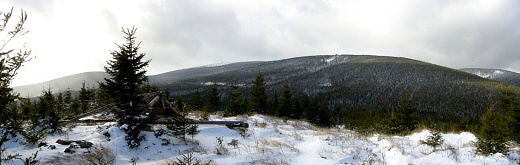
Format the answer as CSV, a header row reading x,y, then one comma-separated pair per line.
x,y
370,82
350,86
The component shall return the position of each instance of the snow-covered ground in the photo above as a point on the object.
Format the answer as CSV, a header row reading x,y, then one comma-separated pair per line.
x,y
269,140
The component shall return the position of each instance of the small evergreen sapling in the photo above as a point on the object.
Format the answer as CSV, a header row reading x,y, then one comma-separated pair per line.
x,y
178,126
193,130
434,140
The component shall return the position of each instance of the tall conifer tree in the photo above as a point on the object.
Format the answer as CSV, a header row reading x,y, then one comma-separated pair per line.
x,y
237,103
196,101
494,132
127,77
213,99
84,98
258,95
286,106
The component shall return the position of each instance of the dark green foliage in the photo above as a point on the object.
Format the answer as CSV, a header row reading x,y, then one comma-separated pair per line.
x,y
193,130
127,79
323,116
86,96
13,120
312,112
237,103
304,106
509,103
196,101
34,133
286,105
258,95
179,126
213,99
434,140
337,114
364,92
494,132
179,104
103,96
372,82
47,112
188,159
67,97
403,118
274,105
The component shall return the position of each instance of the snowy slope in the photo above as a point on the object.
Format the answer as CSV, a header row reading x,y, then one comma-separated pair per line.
x,y
272,141
496,74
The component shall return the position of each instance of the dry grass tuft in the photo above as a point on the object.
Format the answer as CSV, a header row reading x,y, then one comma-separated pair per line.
x,y
99,155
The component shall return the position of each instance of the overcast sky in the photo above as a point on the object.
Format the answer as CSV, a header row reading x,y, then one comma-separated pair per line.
x,y
69,37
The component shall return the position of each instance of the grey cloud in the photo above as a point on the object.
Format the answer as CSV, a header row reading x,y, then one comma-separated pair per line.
x,y
464,34
177,34
199,31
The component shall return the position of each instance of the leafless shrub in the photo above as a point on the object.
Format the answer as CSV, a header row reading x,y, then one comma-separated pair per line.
x,y
220,149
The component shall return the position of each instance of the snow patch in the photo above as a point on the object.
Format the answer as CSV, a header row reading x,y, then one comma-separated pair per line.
x,y
489,75
212,83
327,84
330,59
213,65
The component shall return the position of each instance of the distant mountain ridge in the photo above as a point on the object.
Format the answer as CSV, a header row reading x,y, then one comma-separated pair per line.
x,y
72,82
496,74
373,82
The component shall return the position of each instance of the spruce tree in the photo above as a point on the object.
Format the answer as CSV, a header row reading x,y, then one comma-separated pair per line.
x,y
196,101
286,106
493,133
237,103
213,99
179,104
193,130
178,126
127,77
509,103
48,112
434,140
60,104
403,117
274,105
67,96
84,98
103,97
323,115
258,95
